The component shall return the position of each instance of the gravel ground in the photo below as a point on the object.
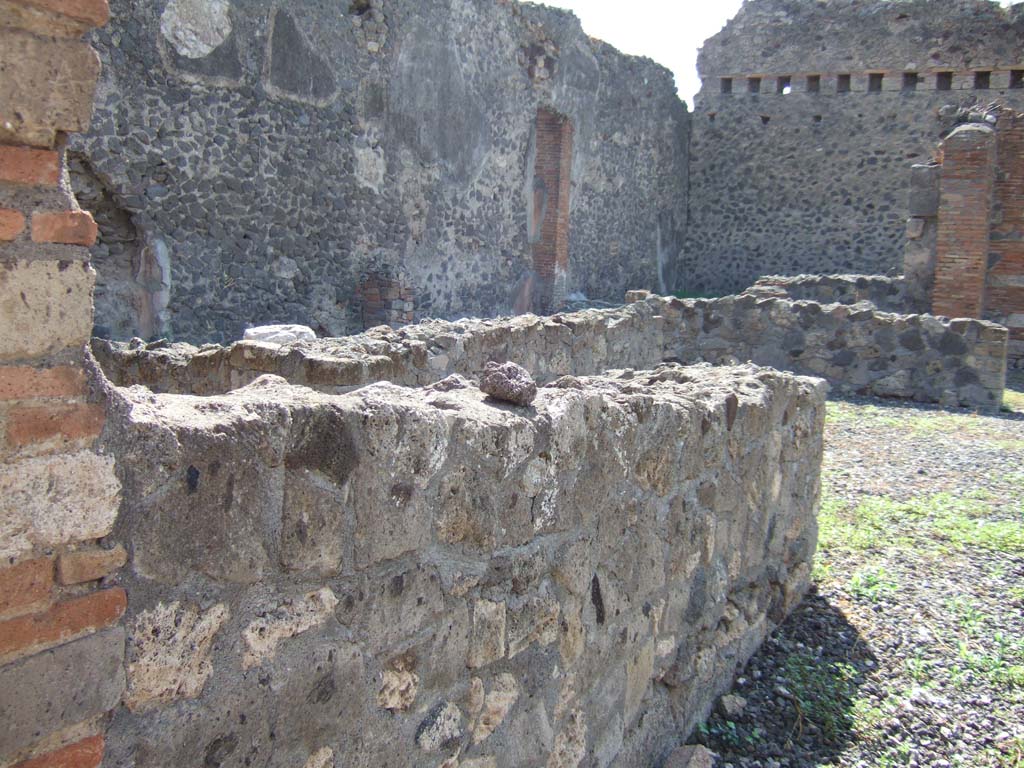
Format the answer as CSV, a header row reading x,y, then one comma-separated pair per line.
x,y
909,650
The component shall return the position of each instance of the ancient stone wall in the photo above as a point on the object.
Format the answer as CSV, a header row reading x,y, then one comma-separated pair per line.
x,y
808,118
888,294
61,643
858,350
253,162
427,577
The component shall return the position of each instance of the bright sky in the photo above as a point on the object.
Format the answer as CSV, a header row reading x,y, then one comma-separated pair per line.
x,y
668,31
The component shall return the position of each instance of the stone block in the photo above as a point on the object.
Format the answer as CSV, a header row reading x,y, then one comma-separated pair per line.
x,y
48,501
59,688
45,307
169,648
48,86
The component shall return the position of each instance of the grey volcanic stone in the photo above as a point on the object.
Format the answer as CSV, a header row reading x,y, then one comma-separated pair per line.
x,y
509,382
68,685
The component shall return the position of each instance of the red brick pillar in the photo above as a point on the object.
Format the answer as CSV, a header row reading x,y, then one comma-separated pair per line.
x,y
552,186
61,646
965,207
1004,292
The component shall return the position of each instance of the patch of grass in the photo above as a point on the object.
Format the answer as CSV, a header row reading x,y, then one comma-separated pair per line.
x,y
1002,665
919,668
941,522
824,692
967,615
1013,401
872,584
695,295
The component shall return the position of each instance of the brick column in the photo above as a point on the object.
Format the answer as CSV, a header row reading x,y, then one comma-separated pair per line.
x,y
552,185
1004,292
965,206
61,646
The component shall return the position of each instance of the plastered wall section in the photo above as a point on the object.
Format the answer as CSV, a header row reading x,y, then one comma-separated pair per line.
x,y
856,349
426,577
61,641
254,163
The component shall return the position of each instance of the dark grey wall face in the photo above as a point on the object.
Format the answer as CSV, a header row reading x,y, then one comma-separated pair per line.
x,y
816,181
251,161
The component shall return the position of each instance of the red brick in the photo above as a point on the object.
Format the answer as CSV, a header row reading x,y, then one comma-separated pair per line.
x,y
26,587
68,228
23,382
24,165
87,753
28,424
62,622
90,565
96,13
12,224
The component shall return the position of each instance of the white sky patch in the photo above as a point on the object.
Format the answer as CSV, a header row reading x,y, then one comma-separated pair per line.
x,y
668,31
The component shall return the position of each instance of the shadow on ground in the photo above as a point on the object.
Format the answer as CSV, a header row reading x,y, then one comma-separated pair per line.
x,y
801,691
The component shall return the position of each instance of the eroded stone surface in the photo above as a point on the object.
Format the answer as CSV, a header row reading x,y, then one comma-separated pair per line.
x,y
288,620
169,653
196,27
524,585
52,500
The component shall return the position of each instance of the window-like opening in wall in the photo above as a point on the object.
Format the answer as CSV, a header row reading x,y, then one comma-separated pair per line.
x,y
814,83
765,119
359,7
784,85
754,84
726,85
1017,78
875,82
712,116
910,80
944,81
982,80
817,118
843,84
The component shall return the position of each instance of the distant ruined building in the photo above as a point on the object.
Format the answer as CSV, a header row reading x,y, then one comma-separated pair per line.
x,y
406,159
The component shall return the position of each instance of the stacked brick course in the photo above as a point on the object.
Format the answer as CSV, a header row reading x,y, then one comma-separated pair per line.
x,y
1004,288
386,301
61,646
552,184
977,252
965,203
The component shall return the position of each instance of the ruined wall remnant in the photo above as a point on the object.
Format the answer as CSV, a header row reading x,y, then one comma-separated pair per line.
x,y
887,294
61,639
856,349
808,116
421,577
280,153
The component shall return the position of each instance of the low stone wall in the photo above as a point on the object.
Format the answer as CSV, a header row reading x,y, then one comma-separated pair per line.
x,y
887,294
427,577
858,351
